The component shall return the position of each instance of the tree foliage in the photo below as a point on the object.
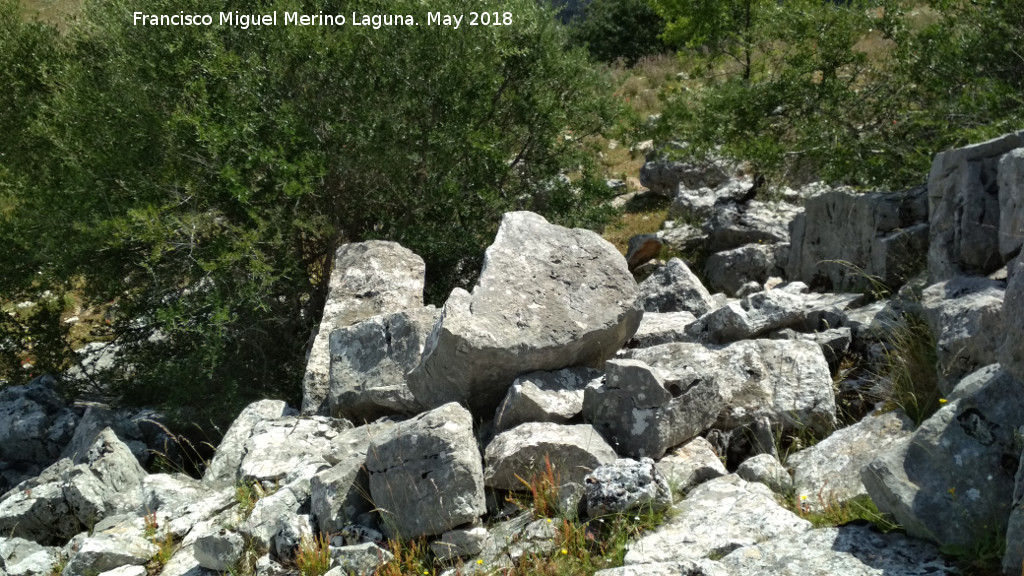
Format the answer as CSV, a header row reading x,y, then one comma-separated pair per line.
x,y
863,93
614,30
196,180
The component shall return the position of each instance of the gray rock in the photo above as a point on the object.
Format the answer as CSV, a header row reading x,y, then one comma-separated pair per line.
x,y
1011,352
701,567
846,240
426,476
829,472
369,361
760,313
223,469
367,279
697,204
295,530
1013,557
833,342
1011,203
766,469
219,550
183,563
756,222
107,481
963,206
665,177
39,424
126,571
544,397
359,560
674,288
104,552
524,452
662,328
787,382
20,557
461,543
682,237
37,510
340,494
273,514
625,486
283,449
716,518
952,481
643,412
691,464
129,426
966,315
731,270
548,297
851,550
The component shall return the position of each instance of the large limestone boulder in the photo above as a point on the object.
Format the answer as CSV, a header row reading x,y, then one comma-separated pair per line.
x,y
102,552
367,279
828,473
340,494
952,481
691,464
548,297
666,177
426,476
369,361
785,381
716,518
524,452
844,240
644,412
674,288
966,316
964,209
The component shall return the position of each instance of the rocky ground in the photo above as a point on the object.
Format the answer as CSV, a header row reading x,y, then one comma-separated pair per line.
x,y
737,410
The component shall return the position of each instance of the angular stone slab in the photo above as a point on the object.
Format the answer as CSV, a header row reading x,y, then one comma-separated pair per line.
x,y
544,397
367,279
548,297
369,361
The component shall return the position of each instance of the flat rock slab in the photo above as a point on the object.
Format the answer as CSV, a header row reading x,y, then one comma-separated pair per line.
x,y
674,288
691,464
367,279
833,466
662,328
524,452
548,298
851,550
718,517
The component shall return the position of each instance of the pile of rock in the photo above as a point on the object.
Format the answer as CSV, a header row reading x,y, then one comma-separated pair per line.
x,y
557,367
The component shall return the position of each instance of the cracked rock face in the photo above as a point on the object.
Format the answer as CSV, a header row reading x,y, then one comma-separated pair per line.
x,y
368,279
544,397
548,298
626,485
426,477
369,362
675,288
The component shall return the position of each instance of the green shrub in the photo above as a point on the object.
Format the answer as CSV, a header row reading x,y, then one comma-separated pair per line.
x,y
615,30
197,180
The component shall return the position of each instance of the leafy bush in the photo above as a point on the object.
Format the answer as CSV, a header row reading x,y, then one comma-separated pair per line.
x,y
853,92
196,180
615,30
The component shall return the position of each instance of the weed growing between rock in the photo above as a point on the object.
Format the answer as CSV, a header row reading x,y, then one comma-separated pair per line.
x,y
909,370
984,558
313,557
833,512
166,547
59,564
